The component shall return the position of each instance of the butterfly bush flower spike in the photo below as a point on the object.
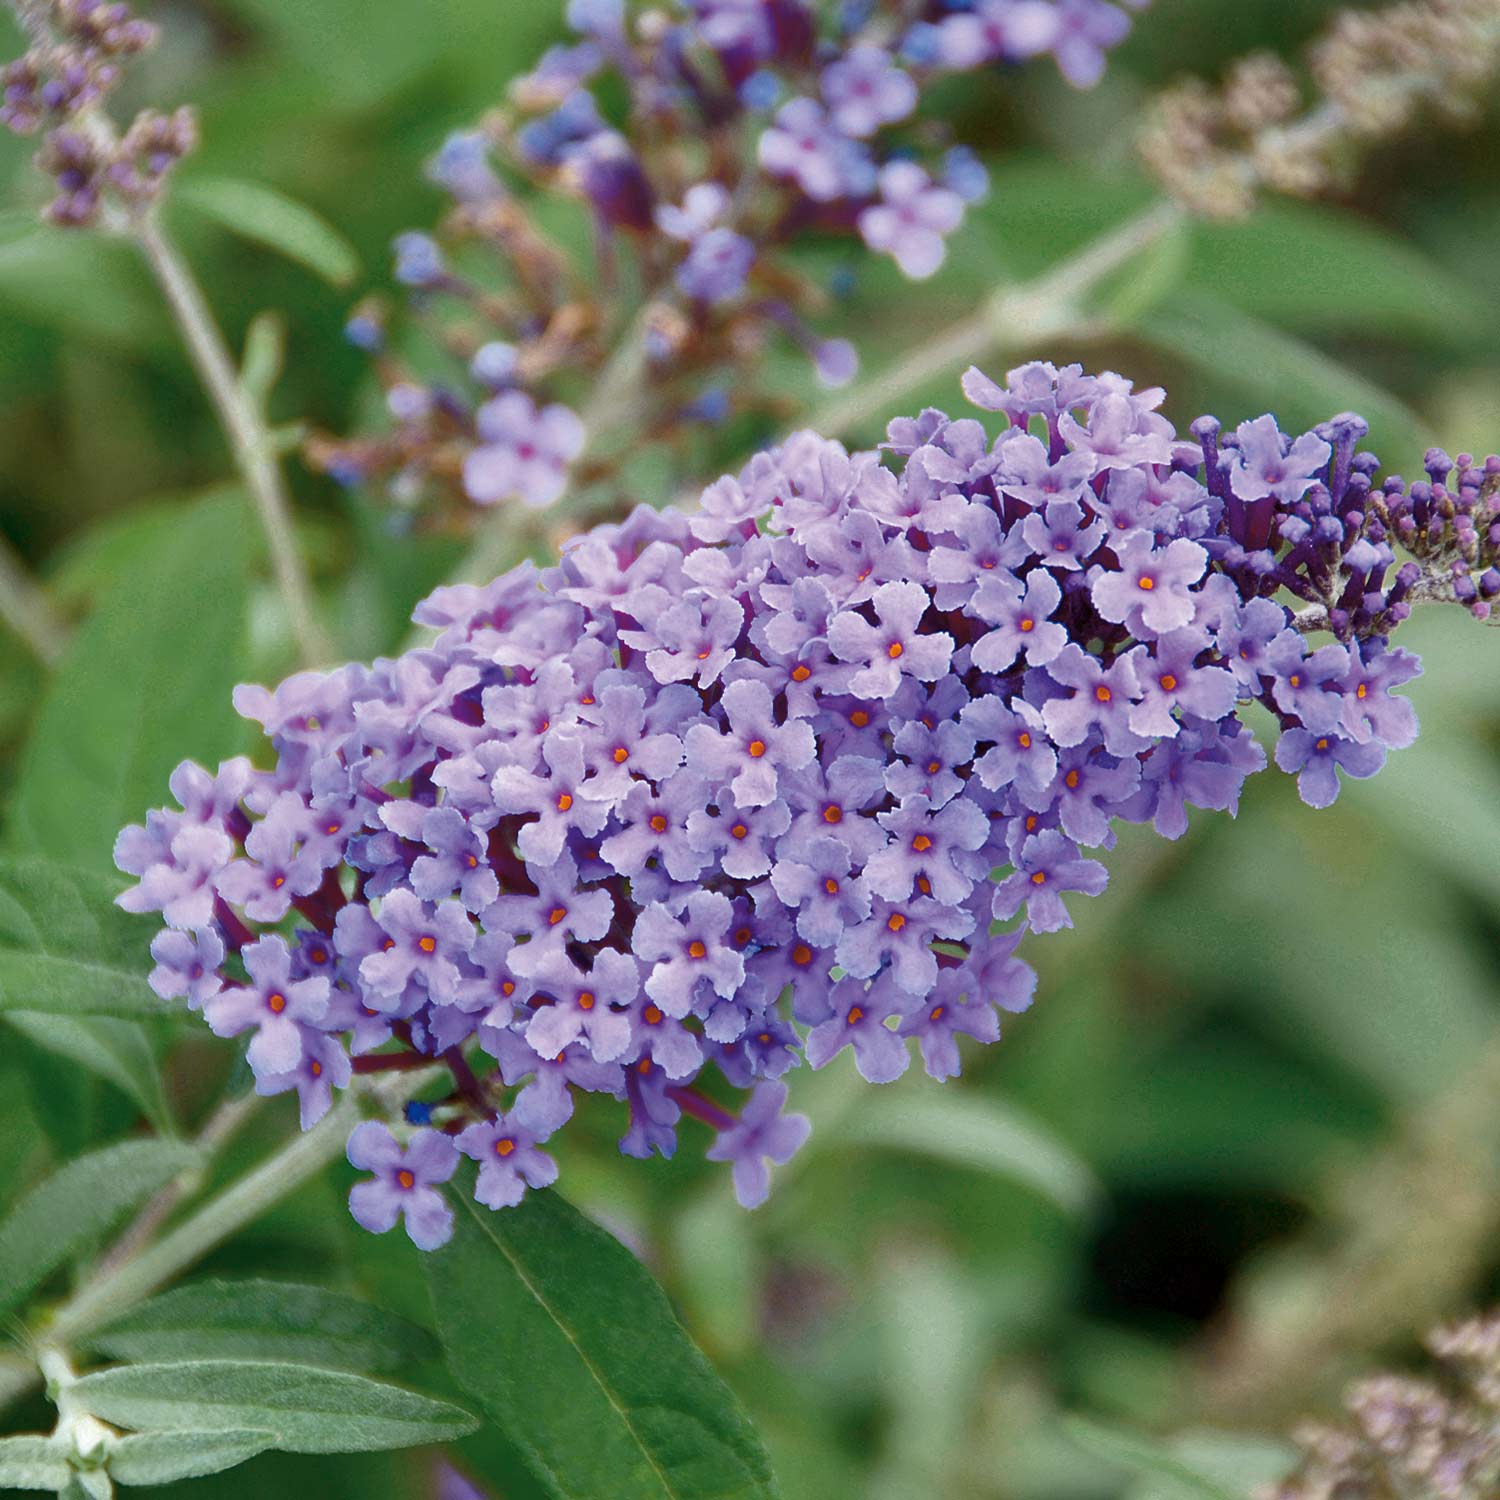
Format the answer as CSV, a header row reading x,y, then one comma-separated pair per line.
x,y
788,777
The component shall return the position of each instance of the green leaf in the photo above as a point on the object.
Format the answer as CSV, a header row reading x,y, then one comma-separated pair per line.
x,y
1320,270
264,357
118,1051
268,217
166,1457
1277,372
66,948
971,1130
1240,1463
266,1320
1128,1450
87,284
145,684
88,1484
32,1463
61,1215
574,1353
309,1410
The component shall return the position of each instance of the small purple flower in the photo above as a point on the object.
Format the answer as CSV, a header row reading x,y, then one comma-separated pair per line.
x,y
1120,434
557,800
1019,752
926,849
860,1012
459,863
1169,679
1262,465
739,838
187,965
761,1135
1086,793
804,146
423,944
750,755
323,1067
901,934
1306,685
523,454
864,90
273,1002
1102,700
932,760
717,266
893,648
911,220
827,897
1149,594
1244,639
510,1161
652,825
1371,712
689,640
1020,620
405,1183
945,1014
1047,867
691,950
583,1003
1063,535
1315,758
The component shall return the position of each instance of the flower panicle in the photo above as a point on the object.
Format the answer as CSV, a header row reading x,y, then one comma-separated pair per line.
x,y
728,792
1370,75
61,87
1408,1434
749,124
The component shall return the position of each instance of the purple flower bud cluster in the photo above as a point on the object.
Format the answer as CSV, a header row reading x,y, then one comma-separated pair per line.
x,y
750,124
75,62
727,791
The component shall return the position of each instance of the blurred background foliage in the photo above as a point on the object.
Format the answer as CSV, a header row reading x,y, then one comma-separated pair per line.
x,y
1249,1138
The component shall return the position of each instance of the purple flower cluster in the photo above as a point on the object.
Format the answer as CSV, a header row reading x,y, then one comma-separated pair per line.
x,y
750,124
75,62
728,791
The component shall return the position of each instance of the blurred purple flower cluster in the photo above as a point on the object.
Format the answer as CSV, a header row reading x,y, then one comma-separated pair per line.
x,y
77,57
727,791
748,124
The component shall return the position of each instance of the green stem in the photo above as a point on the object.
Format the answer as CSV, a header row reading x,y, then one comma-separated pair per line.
x,y
1014,318
108,1295
244,427
27,610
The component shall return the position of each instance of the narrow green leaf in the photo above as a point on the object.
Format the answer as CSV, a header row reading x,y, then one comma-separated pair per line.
x,y
268,217
32,1463
970,1130
574,1353
145,684
310,1410
264,357
1275,371
66,948
118,1051
166,1457
1128,1450
87,284
1322,270
266,1320
62,1214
